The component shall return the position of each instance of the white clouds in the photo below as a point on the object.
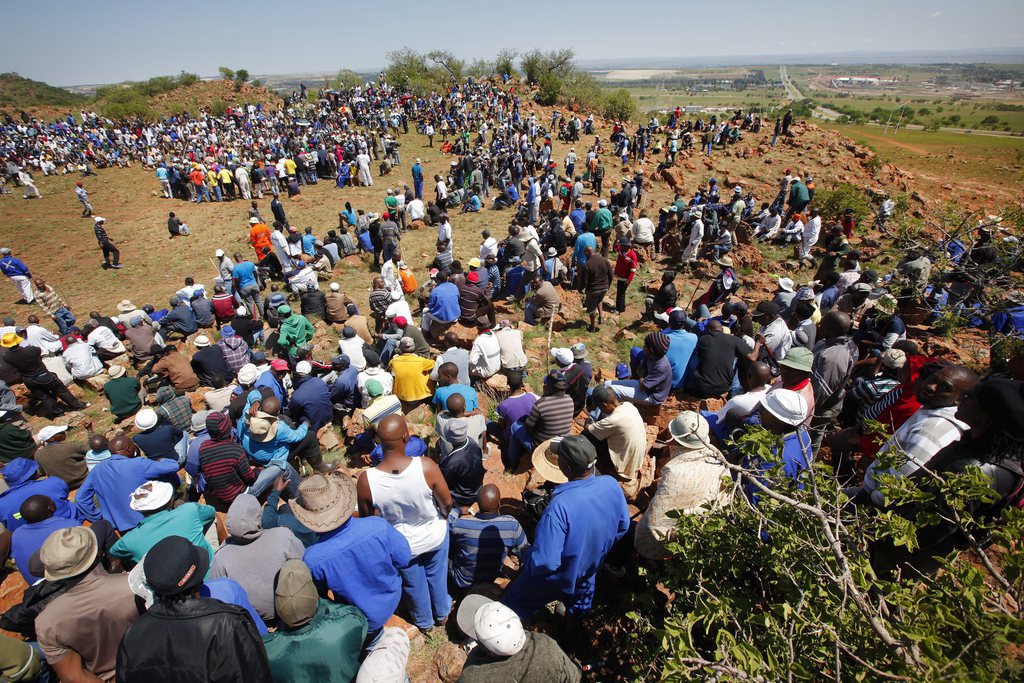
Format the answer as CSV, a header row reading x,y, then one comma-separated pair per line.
x,y
936,15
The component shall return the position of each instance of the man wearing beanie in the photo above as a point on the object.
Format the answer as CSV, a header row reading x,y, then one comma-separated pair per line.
x,y
653,369
200,640
310,626
79,631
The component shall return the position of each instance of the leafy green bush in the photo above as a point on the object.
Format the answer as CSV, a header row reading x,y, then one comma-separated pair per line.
x,y
218,107
833,201
620,105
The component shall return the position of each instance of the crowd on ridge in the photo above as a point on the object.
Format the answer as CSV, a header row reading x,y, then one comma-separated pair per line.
x,y
216,530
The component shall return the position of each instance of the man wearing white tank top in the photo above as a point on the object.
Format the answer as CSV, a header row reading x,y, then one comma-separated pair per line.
x,y
411,494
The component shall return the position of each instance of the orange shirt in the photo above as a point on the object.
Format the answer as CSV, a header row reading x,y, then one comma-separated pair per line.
x,y
197,176
259,238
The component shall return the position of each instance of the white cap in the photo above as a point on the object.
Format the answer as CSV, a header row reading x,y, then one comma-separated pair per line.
x,y
146,419
303,367
335,287
219,253
786,405
48,432
98,219
247,374
202,341
152,495
240,310
254,220
496,627
562,355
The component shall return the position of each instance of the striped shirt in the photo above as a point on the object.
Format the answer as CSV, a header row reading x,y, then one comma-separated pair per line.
x,y
380,299
49,300
381,408
226,469
101,234
480,544
551,416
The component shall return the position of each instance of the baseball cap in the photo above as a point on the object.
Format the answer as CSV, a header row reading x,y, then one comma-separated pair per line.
x,y
562,355
496,627
174,566
577,450
766,308
622,371
295,596
303,367
788,406
406,344
279,364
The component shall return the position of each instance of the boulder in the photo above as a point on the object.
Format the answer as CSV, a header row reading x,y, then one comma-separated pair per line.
x,y
674,177
96,382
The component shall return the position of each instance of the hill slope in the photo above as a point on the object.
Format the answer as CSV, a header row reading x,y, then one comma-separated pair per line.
x,y
20,92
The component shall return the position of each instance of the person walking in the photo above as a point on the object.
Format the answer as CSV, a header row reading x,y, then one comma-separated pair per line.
x,y
626,266
106,244
83,197
19,274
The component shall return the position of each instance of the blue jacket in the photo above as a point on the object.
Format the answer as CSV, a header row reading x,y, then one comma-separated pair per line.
x,y
578,527
107,490
681,346
268,380
11,267
276,450
53,488
29,538
359,562
417,173
444,302
180,319
345,389
311,401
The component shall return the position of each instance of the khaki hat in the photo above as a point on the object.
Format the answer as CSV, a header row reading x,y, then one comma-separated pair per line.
x,y
545,461
295,597
66,553
798,358
125,306
725,261
263,426
116,371
325,502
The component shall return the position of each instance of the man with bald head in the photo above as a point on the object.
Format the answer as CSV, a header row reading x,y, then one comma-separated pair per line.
x,y
835,354
482,541
106,492
933,427
411,495
38,514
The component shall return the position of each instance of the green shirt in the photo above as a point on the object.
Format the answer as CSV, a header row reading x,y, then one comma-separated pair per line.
x,y
602,220
18,660
298,656
294,331
189,521
540,660
123,394
391,203
15,443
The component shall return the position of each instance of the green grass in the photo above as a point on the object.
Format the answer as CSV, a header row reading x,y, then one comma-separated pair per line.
x,y
18,92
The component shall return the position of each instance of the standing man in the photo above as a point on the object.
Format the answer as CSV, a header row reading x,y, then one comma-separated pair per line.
x,y
83,197
19,274
417,179
30,187
106,244
595,279
586,516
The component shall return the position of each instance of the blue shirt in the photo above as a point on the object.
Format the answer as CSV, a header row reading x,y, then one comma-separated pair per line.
x,y
28,538
469,393
12,267
578,527
267,379
444,302
480,543
309,244
680,349
245,273
577,216
107,490
160,441
231,592
417,173
276,450
53,488
797,454
359,563
312,400
587,239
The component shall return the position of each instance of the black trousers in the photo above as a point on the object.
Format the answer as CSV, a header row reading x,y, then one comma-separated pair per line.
x,y
620,295
110,252
47,390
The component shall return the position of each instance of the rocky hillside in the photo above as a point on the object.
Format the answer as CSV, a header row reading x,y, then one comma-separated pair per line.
x,y
18,92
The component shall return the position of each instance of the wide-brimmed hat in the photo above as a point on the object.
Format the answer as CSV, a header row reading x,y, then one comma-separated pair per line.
x,y
263,426
724,261
116,371
562,355
325,502
579,351
545,462
894,358
886,304
798,358
10,340
786,284
66,553
152,495
126,306
788,406
689,429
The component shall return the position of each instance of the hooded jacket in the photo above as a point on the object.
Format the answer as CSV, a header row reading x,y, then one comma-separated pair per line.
x,y
294,331
196,640
253,556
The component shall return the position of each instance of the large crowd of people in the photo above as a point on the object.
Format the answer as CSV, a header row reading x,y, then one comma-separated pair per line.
x,y
218,531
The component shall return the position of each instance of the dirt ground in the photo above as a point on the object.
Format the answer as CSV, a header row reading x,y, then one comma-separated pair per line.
x,y
52,238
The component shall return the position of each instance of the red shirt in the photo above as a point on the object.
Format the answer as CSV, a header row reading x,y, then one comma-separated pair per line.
x,y
626,265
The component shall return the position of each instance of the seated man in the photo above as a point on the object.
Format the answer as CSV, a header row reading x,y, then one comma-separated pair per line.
x,y
81,358
461,460
654,370
783,412
543,304
549,417
309,626
447,384
620,434
481,542
21,475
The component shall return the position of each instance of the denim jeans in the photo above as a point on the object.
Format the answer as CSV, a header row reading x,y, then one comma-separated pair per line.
x,y
64,319
218,193
629,390
425,587
266,478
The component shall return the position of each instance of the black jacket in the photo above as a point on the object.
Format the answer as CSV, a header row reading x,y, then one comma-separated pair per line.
x,y
197,640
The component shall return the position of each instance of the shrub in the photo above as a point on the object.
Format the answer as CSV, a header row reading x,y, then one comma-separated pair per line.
x,y
832,202
620,105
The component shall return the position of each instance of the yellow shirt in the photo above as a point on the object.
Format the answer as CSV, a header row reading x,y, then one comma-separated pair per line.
x,y
411,374
211,178
225,176
289,167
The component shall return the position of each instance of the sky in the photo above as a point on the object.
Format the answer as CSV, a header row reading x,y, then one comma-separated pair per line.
x,y
71,42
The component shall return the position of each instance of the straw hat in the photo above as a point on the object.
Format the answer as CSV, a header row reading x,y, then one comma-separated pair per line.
x,y
126,306
325,502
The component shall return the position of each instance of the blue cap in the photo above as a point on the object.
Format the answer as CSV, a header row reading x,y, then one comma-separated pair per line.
x,y
227,332
621,371
20,470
